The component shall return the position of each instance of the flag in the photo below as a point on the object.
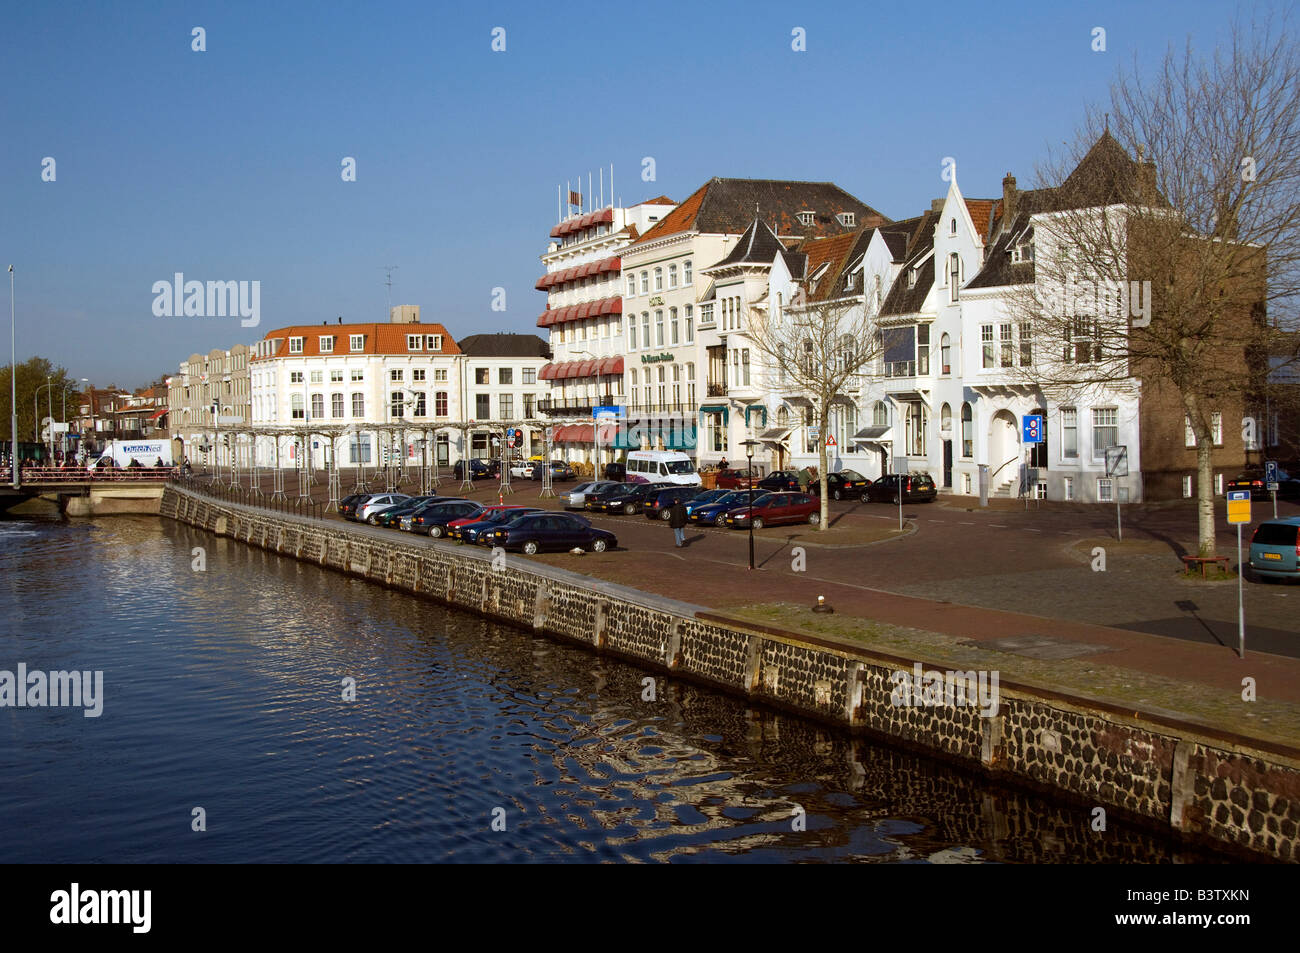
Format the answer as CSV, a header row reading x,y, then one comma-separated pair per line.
x,y
575,198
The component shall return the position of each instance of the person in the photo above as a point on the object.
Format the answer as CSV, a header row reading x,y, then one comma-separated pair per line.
x,y
677,520
723,464
804,479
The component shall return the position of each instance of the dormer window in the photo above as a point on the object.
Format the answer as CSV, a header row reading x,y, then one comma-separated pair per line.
x,y
1022,253
846,219
295,345
413,342
357,342
911,278
327,344
807,218
433,342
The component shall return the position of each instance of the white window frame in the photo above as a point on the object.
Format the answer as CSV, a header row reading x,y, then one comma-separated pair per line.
x,y
1105,490
295,345
1187,486
356,342
415,342
327,344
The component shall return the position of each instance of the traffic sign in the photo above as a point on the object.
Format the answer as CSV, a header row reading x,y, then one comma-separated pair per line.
x,y
1117,461
901,466
510,437
814,433
1032,428
830,440
1239,506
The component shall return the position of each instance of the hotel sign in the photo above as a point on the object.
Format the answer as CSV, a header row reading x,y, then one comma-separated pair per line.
x,y
655,358
656,300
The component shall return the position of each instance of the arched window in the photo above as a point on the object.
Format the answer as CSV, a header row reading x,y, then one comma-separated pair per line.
x,y
954,275
967,432
880,414
945,419
945,354
659,279
783,417
952,226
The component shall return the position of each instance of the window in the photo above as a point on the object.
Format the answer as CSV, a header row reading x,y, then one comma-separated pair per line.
x,y
528,405
1105,490
336,405
672,320
439,373
659,279
967,432
1082,341
847,219
295,345
744,366
440,404
357,342
1023,252
413,341
923,349
358,375
807,218
481,375
945,354
433,342
296,407
954,275
672,276
1105,430
317,377
631,285
1189,434
1007,346
965,484
986,343
1216,428
417,374
530,375
1026,344
327,344
1187,486
631,333
359,449
418,408
645,329
1069,488
1218,484
507,406
659,328
1040,491
505,375
482,407
336,376
911,278
690,325
952,226
317,406
632,379
358,405
395,374
1069,432
686,272
396,408
295,377
880,414
645,282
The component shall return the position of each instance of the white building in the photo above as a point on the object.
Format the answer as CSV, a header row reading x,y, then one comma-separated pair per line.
x,y
501,380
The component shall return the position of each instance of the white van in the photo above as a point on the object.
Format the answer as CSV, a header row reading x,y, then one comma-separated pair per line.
x,y
661,466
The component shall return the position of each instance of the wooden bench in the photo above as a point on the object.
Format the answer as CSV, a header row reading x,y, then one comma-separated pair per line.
x,y
1203,561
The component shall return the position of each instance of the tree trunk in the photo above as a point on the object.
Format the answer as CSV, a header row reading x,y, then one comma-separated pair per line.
x,y
824,523
1206,540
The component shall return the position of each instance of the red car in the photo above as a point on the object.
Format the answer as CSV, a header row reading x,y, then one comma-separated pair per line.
x,y
487,513
732,480
775,508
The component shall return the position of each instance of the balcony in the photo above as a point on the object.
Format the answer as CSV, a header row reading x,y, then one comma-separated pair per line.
x,y
716,390
574,406
652,409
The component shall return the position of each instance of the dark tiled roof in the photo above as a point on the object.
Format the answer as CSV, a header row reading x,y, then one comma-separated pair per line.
x,y
757,246
902,299
840,253
727,206
505,345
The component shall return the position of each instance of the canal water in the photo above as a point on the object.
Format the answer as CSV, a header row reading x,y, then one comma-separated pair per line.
x,y
223,702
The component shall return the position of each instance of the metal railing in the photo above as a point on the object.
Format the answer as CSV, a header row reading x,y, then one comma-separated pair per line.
x,y
81,474
296,505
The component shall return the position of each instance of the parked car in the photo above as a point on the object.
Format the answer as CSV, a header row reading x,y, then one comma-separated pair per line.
x,y
348,505
662,466
472,530
575,498
917,488
559,470
535,532
1275,549
658,506
626,498
617,472
433,520
732,480
1288,487
775,508
845,483
521,469
708,496
391,517
715,513
779,480
478,469
377,502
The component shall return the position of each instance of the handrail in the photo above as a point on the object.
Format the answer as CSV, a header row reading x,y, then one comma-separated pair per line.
x,y
999,469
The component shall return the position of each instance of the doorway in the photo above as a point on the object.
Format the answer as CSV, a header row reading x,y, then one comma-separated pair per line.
x,y
947,464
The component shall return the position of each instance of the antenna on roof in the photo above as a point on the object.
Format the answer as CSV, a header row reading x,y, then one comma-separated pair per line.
x,y
390,269
1108,122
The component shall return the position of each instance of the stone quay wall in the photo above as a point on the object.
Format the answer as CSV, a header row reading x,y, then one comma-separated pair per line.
x,y
1212,787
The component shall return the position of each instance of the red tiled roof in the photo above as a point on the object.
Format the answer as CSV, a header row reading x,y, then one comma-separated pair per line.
x,y
379,339
660,200
981,214
679,219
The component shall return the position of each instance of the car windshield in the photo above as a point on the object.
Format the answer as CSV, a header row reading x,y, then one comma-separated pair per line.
x,y
679,466
852,475
582,487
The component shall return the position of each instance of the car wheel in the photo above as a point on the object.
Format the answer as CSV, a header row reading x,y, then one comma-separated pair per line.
x,y
837,495
720,519
530,547
814,519
436,532
758,522
373,520
666,515
866,497
599,546
630,509
894,499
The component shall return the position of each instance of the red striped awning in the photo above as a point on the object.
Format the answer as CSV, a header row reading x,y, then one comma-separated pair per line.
x,y
576,433
554,279
156,414
576,224
577,312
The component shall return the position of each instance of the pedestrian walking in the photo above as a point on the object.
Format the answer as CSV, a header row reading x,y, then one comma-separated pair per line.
x,y
804,479
677,520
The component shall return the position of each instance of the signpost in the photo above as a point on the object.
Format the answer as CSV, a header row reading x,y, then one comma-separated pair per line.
x,y
1116,467
1238,513
1031,432
1270,481
899,467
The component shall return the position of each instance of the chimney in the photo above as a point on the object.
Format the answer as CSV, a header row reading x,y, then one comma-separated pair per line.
x,y
1146,182
936,205
340,319
1010,199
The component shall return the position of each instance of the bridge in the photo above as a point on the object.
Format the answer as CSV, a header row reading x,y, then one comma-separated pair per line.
x,y
78,491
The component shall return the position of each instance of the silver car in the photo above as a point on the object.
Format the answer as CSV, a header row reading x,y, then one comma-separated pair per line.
x,y
575,498
379,501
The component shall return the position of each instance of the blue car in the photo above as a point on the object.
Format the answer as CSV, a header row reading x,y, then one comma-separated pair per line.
x,y
716,512
708,496
1275,549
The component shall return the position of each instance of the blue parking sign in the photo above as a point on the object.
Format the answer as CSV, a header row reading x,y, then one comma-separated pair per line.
x,y
1032,425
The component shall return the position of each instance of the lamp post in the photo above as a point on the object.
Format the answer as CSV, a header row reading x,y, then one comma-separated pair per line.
x,y
13,386
49,387
749,446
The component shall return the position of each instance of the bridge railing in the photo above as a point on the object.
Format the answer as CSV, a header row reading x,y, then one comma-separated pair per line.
x,y
298,506
46,475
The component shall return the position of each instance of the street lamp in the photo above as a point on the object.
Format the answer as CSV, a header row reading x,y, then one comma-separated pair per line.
x,y
13,385
749,446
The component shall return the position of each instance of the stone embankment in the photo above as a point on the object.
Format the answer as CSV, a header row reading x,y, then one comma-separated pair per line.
x,y
1215,789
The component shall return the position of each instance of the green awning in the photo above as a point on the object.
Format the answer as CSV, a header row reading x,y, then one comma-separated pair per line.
x,y
717,409
635,435
756,409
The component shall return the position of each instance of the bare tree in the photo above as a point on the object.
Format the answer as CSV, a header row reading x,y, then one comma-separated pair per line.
x,y
1164,271
813,349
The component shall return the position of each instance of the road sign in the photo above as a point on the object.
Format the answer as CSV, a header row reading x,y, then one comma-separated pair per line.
x,y
900,466
1032,428
550,434
1117,461
612,410
510,437
830,440
1239,506
814,433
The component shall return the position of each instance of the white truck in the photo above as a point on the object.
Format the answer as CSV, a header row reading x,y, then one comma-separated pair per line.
x,y
145,452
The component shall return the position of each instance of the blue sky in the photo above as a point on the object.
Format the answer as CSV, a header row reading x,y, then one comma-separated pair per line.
x,y
225,164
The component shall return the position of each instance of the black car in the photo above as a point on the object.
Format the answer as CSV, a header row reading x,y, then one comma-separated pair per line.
x,y
616,472
348,505
478,469
844,483
917,488
535,532
433,520
658,506
781,480
493,518
1288,486
626,498
715,513
393,515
